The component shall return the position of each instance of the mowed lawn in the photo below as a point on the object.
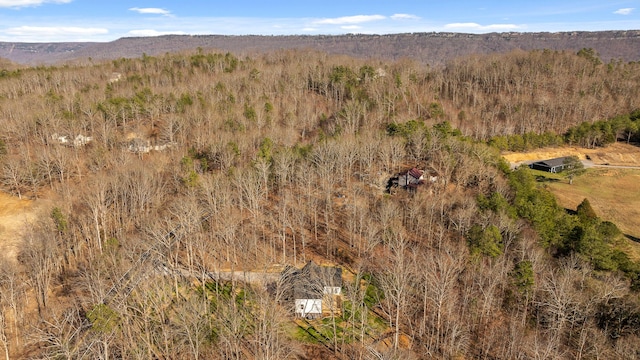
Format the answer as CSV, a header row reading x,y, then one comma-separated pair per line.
x,y
613,193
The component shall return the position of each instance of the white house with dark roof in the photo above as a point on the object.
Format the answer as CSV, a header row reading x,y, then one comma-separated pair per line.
x,y
316,290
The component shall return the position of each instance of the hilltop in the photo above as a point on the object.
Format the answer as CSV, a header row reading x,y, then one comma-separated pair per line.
x,y
429,48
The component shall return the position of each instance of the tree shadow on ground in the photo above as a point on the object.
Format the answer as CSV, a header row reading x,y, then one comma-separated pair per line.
x,y
632,238
540,178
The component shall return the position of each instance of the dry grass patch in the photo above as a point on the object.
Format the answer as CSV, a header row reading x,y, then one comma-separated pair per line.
x,y
618,154
613,193
14,214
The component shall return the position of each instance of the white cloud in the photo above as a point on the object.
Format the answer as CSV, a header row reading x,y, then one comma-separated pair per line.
x,y
404,17
153,11
350,27
476,26
55,31
151,32
356,19
624,11
26,3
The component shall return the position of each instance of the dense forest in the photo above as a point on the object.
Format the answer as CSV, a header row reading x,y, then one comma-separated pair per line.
x,y
163,171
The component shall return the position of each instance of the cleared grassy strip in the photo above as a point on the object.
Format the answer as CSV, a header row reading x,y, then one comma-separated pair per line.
x,y
614,195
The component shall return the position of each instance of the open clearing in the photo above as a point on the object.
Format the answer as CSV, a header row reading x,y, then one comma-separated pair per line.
x,y
614,193
15,215
616,154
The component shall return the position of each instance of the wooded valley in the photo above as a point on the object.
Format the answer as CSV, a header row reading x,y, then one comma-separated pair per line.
x,y
162,173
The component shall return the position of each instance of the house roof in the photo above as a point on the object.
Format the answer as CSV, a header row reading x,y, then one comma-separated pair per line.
x,y
415,173
560,161
309,282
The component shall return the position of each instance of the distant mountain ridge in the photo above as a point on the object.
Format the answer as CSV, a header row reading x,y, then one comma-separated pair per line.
x,y
431,48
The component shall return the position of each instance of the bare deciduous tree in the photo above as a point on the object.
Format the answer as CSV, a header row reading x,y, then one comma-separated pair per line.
x,y
40,256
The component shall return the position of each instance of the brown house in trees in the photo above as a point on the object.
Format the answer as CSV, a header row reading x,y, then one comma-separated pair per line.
x,y
315,290
410,180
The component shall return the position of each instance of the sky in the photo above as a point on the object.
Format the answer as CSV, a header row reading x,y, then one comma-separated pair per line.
x,y
108,20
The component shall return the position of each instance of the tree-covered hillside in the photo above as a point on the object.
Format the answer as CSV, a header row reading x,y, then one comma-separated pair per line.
x,y
433,48
165,174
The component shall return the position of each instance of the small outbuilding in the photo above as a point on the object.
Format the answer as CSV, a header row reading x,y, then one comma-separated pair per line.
x,y
554,165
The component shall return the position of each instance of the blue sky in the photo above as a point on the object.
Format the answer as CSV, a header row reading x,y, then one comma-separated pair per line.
x,y
107,20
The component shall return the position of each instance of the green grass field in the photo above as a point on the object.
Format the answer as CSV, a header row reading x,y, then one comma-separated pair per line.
x,y
613,193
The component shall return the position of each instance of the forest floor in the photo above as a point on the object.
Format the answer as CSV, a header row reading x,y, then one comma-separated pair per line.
x,y
15,215
612,185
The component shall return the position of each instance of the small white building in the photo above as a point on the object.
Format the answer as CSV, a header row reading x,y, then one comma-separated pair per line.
x,y
79,140
141,146
115,77
308,307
